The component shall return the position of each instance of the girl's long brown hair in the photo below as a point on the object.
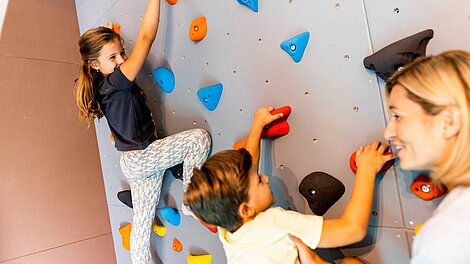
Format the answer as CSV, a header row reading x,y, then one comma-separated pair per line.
x,y
91,43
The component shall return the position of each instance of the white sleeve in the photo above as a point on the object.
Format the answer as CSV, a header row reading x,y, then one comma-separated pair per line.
x,y
306,227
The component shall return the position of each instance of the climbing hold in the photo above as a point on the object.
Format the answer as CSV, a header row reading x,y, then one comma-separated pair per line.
x,y
211,228
396,55
295,46
203,259
177,246
177,171
277,128
240,144
172,2
385,167
125,232
321,191
425,189
280,126
125,197
159,230
116,28
252,4
171,215
210,96
164,78
198,29
418,228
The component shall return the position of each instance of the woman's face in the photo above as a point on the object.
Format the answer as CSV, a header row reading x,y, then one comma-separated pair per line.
x,y
417,136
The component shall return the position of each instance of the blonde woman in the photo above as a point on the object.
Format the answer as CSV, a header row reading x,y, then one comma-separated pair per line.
x,y
430,127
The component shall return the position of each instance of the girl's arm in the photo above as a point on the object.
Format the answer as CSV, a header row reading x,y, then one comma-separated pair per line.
x,y
147,33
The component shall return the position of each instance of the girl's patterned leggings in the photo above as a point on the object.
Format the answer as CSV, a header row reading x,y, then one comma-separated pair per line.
x,y
144,169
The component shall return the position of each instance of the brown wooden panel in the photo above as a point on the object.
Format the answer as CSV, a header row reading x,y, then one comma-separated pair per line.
x,y
90,251
51,191
41,29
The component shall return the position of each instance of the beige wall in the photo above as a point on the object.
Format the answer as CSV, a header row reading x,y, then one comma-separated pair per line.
x,y
52,202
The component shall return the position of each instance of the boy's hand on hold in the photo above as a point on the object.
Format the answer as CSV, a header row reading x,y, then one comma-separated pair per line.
x,y
372,156
264,117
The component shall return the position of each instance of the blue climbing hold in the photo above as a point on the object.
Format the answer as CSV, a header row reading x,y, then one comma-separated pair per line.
x,y
164,78
171,215
210,96
295,46
252,4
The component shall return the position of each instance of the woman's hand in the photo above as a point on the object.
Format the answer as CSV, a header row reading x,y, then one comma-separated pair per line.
x,y
306,254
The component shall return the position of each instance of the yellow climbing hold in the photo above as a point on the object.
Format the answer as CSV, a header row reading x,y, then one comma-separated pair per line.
x,y
417,228
203,259
159,230
125,232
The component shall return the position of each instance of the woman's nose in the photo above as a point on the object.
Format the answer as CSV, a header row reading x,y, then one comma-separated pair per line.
x,y
389,132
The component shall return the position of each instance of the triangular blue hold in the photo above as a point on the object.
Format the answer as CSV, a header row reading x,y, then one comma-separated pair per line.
x,y
171,215
210,96
164,78
295,46
252,4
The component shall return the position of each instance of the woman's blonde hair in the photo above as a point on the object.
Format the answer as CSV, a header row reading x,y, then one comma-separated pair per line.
x,y
91,43
435,83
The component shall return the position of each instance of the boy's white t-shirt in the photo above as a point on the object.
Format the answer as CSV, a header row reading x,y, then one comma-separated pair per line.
x,y
265,239
445,237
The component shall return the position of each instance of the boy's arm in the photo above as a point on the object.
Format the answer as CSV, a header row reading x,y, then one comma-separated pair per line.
x,y
262,118
352,226
147,33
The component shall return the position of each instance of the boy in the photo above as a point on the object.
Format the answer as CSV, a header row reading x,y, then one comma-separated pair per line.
x,y
228,192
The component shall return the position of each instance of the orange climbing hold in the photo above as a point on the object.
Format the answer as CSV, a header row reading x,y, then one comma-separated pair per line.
x,y
425,189
172,2
240,144
198,29
125,232
117,28
177,246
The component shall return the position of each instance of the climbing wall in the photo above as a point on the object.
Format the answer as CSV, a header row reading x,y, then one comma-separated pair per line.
x,y
337,105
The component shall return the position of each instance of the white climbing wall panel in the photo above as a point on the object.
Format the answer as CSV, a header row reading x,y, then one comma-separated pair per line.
x,y
336,103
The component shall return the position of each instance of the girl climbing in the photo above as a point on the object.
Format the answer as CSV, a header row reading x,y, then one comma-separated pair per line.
x,y
106,87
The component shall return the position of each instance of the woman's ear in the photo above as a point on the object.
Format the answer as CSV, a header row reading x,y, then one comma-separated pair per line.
x,y
452,121
246,211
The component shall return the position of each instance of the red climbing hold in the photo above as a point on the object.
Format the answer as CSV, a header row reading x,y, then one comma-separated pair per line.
x,y
425,189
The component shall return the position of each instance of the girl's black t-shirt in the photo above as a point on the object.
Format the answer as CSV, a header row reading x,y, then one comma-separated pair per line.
x,y
129,118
